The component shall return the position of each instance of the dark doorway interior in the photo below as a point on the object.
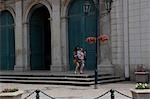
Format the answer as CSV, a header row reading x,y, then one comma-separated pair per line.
x,y
7,41
40,39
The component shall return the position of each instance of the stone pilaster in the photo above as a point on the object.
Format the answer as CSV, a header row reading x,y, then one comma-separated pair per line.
x,y
18,37
105,65
56,37
126,37
26,45
64,40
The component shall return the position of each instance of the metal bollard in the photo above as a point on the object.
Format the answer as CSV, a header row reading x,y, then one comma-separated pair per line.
x,y
37,94
96,75
112,94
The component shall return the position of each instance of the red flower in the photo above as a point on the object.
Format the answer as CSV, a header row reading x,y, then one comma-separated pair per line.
x,y
103,38
91,40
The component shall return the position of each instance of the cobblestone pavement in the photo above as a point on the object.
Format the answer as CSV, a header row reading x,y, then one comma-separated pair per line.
x,y
73,92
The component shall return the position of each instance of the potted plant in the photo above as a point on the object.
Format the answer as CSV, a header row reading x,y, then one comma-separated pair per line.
x,y
141,75
141,91
13,93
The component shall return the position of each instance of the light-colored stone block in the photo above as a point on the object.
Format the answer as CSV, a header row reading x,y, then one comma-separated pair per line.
x,y
142,77
140,94
11,95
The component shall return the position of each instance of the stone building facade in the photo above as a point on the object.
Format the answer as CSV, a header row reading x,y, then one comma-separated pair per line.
x,y
127,26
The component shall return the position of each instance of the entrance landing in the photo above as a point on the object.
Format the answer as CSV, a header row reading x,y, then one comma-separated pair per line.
x,y
57,78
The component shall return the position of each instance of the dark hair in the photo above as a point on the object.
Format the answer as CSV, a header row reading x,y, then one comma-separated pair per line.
x,y
76,48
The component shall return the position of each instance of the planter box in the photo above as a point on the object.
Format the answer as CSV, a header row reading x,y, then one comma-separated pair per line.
x,y
11,95
142,77
140,93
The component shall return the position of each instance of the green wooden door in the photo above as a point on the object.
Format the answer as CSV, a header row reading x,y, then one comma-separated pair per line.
x,y
7,41
80,27
40,39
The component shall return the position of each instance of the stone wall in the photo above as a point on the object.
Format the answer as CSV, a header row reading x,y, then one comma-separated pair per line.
x,y
130,34
139,31
22,10
117,34
130,37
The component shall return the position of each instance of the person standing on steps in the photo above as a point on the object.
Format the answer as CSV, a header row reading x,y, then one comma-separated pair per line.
x,y
76,60
81,59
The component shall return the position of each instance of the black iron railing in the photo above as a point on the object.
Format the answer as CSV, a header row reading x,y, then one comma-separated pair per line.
x,y
112,94
37,94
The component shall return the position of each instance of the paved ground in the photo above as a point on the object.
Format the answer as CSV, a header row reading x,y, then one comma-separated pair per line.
x,y
73,92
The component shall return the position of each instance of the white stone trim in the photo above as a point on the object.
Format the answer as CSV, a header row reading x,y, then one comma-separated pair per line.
x,y
11,10
43,2
11,94
64,34
126,37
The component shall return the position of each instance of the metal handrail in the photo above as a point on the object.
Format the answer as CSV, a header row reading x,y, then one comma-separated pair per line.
x,y
29,95
113,95
47,95
123,94
102,95
37,94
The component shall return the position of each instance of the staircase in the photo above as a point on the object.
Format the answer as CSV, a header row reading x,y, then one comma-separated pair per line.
x,y
56,78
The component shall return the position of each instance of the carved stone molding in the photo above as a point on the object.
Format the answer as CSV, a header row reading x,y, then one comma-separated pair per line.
x,y
64,2
2,6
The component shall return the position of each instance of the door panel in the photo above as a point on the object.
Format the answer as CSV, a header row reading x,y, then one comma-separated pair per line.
x,y
40,42
7,41
80,27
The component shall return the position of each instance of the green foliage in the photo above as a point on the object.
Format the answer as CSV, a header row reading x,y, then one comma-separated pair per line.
x,y
142,86
9,90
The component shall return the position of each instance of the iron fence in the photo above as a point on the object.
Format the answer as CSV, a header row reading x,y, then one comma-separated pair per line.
x,y
37,94
111,92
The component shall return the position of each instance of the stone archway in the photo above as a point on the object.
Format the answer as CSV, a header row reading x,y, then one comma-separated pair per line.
x,y
26,18
7,41
40,38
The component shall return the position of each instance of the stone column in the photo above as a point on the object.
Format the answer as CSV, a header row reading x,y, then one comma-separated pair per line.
x,y
26,54
64,40
105,65
18,37
56,38
126,37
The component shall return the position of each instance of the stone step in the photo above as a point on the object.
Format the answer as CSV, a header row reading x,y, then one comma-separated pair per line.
x,y
47,82
53,75
57,78
50,74
111,80
45,77
60,82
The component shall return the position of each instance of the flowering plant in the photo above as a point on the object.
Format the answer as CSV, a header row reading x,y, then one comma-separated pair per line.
x,y
103,38
140,68
9,90
142,86
91,40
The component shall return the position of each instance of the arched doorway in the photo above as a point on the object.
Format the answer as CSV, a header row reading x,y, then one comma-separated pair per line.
x,y
40,38
81,26
7,41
